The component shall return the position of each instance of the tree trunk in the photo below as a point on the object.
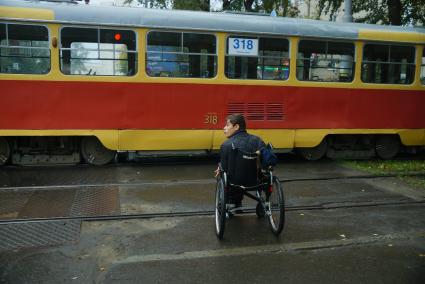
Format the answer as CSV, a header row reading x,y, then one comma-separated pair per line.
x,y
394,12
248,5
204,5
285,7
226,5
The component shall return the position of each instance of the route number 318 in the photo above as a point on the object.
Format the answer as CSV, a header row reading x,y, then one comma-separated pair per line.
x,y
243,44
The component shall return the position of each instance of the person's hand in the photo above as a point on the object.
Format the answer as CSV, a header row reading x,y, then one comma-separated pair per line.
x,y
217,172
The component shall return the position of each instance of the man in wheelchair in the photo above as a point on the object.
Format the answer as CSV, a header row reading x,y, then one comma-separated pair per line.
x,y
240,171
239,141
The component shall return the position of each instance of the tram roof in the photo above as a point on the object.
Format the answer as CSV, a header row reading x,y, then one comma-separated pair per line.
x,y
203,21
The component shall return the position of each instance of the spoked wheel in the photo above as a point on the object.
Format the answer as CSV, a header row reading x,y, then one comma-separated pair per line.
x,y
4,151
276,212
94,152
220,209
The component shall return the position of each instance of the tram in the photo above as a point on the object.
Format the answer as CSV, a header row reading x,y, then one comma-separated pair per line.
x,y
85,82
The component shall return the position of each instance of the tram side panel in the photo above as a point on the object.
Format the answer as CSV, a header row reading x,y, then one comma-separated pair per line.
x,y
48,105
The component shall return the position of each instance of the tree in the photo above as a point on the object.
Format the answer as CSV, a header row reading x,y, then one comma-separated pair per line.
x,y
283,7
197,5
394,12
200,5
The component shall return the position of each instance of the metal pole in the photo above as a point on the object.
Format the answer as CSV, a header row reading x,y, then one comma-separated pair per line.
x,y
308,8
348,14
346,64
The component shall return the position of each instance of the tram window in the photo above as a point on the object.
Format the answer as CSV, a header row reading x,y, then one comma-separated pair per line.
x,y
24,49
180,54
423,66
89,51
325,61
388,64
271,62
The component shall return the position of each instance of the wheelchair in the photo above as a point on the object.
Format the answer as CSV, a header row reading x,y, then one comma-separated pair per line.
x,y
245,174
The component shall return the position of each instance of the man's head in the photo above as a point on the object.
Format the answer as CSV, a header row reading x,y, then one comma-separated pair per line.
x,y
234,122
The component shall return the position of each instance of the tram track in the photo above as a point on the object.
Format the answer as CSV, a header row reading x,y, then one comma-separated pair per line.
x,y
123,216
251,210
201,181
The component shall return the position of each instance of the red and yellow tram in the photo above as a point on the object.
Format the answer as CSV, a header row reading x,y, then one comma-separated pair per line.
x,y
90,81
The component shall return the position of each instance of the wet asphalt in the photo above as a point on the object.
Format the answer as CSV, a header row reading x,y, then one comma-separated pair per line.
x,y
338,229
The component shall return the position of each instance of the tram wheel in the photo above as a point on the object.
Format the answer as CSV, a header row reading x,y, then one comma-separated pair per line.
x,y
315,153
387,146
4,151
220,209
276,218
94,152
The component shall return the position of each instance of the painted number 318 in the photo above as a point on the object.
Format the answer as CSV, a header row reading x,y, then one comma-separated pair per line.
x,y
243,44
210,119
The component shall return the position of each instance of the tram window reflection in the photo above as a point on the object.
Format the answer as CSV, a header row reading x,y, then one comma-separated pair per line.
x,y
388,64
91,51
423,66
325,61
181,54
271,62
24,49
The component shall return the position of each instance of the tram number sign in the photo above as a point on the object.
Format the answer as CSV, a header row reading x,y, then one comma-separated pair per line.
x,y
243,46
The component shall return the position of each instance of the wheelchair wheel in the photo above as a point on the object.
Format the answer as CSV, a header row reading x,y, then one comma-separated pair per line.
x,y
220,209
276,217
259,210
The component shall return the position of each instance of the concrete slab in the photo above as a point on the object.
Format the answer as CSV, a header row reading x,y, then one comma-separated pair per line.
x,y
193,192
183,197
400,263
341,245
139,173
374,244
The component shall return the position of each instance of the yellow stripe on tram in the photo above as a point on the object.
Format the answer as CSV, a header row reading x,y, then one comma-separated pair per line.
x,y
391,36
26,13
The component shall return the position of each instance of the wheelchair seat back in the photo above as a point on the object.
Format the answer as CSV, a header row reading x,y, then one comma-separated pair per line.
x,y
243,170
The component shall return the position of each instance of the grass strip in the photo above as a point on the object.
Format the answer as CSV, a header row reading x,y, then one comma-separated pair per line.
x,y
400,168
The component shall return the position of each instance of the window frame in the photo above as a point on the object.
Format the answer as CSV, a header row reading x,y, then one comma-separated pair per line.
x,y
23,47
422,67
182,32
327,41
389,44
98,28
257,36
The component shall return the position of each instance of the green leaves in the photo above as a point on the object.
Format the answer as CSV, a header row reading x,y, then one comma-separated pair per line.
x,y
283,7
394,12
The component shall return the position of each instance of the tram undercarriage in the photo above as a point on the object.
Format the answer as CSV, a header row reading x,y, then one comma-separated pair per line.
x,y
38,150
42,150
354,146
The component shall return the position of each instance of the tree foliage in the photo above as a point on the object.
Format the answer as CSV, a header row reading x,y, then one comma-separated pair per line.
x,y
394,12
282,7
201,5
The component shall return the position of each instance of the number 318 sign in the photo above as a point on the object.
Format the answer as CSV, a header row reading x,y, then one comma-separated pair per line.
x,y
243,46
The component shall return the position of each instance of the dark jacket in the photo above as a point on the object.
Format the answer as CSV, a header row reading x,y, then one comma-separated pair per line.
x,y
243,141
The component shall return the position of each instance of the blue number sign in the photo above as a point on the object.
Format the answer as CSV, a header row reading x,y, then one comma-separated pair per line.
x,y
243,46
